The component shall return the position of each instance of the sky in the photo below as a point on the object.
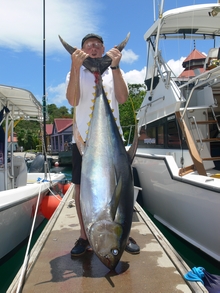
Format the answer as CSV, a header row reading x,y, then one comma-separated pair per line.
x,y
21,39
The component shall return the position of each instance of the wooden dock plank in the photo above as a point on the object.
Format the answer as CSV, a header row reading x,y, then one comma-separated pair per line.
x,y
158,267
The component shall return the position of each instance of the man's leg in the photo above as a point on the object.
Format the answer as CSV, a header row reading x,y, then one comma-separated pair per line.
x,y
78,209
82,243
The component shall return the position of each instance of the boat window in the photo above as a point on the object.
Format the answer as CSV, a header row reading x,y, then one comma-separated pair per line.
x,y
172,134
164,133
151,136
147,136
161,134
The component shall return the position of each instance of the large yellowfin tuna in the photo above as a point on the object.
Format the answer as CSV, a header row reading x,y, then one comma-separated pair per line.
x,y
107,189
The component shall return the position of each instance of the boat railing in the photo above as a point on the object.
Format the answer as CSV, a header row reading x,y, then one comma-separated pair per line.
x,y
206,78
215,118
150,104
198,133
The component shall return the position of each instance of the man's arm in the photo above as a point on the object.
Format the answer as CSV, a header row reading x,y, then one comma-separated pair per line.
x,y
121,89
120,86
73,88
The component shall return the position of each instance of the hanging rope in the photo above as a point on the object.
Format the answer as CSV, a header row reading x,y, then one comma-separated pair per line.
x,y
26,258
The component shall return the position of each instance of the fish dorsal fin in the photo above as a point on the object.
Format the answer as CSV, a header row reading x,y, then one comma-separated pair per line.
x,y
115,199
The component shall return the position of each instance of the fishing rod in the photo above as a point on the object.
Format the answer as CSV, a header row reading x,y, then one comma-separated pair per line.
x,y
44,96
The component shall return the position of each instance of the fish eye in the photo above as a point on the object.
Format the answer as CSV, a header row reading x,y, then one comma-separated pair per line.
x,y
115,251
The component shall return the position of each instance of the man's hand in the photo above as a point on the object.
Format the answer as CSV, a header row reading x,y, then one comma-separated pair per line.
x,y
115,55
78,57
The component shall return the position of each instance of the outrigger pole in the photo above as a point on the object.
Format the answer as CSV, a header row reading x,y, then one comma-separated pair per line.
x,y
44,96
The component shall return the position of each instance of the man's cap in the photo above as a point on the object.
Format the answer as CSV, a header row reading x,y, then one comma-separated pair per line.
x,y
90,36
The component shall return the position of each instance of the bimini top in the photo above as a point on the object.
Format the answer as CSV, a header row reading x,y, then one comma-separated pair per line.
x,y
202,20
21,103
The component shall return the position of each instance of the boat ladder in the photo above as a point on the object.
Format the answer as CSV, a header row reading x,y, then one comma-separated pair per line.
x,y
196,158
200,140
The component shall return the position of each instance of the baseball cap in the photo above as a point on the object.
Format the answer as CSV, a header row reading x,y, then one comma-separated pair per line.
x,y
90,36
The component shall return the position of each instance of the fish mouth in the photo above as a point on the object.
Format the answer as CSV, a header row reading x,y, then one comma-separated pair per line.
x,y
110,262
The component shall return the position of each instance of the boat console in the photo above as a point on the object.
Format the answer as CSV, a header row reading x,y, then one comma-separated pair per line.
x,y
15,177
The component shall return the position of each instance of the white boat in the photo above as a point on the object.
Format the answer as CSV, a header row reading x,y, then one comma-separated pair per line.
x,y
177,160
19,190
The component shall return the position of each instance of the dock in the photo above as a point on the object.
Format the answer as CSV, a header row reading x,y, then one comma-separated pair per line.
x,y
157,269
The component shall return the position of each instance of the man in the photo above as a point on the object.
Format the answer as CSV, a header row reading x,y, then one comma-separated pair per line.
x,y
80,93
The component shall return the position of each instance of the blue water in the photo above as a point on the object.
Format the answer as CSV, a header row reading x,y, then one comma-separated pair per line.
x,y
10,265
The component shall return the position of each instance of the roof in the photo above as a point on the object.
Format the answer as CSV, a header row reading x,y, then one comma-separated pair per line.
x,y
195,60
21,103
49,129
194,55
183,20
62,123
189,73
15,138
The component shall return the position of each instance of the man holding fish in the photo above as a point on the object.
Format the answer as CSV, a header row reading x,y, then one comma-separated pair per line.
x,y
80,94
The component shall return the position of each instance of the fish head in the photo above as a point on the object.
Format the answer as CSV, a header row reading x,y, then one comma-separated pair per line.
x,y
106,239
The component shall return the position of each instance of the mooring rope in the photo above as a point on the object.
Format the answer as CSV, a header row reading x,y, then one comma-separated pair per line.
x,y
26,258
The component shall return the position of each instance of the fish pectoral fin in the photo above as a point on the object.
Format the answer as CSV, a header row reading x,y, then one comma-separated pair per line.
x,y
115,199
132,150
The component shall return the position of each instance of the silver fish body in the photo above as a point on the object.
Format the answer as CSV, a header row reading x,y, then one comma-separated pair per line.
x,y
107,188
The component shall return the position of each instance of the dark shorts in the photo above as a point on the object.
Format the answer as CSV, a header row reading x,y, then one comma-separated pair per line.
x,y
76,164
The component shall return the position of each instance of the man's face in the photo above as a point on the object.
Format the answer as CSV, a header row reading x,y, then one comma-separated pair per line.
x,y
93,47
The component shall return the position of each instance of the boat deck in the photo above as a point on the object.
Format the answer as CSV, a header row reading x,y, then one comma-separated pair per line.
x,y
158,267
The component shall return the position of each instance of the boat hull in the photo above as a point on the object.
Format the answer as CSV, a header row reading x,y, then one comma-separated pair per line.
x,y
190,209
17,209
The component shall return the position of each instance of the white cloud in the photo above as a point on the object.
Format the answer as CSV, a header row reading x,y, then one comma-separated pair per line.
x,y
138,77
128,56
176,65
57,95
22,23
135,76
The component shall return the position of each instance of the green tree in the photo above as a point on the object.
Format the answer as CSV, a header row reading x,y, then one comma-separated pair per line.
x,y
28,134
54,112
128,110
